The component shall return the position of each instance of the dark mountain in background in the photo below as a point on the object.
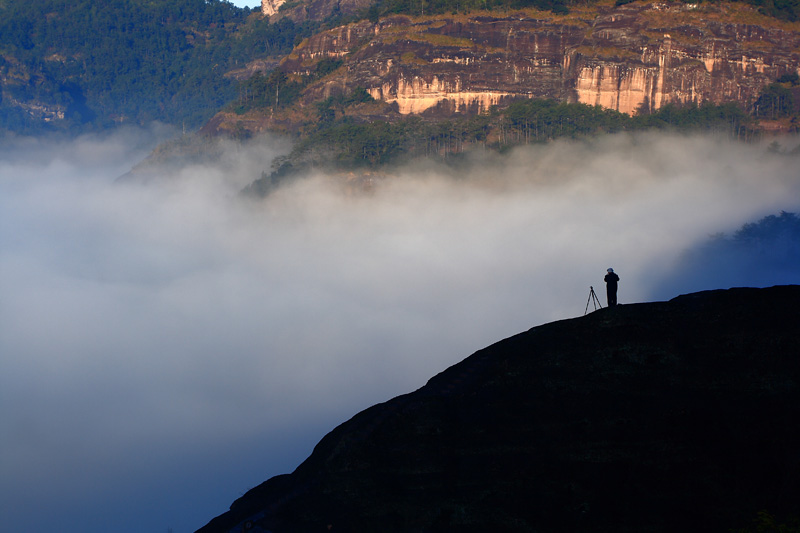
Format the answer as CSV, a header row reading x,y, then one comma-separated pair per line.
x,y
667,416
766,249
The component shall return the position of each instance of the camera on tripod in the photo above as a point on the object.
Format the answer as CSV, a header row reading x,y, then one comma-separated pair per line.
x,y
593,299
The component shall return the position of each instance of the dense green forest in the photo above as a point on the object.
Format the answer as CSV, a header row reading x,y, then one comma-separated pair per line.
x,y
130,61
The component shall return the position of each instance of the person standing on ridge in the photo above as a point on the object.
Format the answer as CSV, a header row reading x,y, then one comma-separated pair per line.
x,y
611,280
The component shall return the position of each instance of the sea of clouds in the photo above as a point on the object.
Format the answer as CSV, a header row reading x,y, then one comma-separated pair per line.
x,y
164,346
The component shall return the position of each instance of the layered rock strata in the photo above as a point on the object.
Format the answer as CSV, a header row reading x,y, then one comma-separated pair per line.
x,y
630,58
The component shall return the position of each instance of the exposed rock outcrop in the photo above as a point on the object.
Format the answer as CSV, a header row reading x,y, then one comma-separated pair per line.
x,y
271,7
302,10
670,416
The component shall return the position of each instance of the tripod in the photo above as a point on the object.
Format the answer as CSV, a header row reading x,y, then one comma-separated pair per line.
x,y
593,299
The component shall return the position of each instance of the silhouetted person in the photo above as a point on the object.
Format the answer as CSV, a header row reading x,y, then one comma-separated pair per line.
x,y
611,280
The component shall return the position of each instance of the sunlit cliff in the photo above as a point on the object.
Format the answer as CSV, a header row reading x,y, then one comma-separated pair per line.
x,y
630,58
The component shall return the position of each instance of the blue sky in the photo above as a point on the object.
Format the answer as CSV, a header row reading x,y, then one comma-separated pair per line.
x,y
247,3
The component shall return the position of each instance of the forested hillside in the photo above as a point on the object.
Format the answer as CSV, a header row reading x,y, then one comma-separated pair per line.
x,y
84,64
345,145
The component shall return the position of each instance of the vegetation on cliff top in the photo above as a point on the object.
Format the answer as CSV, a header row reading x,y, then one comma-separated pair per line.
x,y
788,10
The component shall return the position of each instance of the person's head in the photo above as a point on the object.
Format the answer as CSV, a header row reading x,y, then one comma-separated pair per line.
x,y
610,270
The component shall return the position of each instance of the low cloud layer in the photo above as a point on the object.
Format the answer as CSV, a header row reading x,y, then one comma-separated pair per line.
x,y
165,347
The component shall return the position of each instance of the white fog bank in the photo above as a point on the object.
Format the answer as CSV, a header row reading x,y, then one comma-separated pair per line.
x,y
165,347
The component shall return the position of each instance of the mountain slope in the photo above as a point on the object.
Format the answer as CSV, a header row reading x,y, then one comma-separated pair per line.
x,y
668,416
73,66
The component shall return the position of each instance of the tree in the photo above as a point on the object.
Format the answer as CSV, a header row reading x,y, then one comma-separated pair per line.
x,y
776,101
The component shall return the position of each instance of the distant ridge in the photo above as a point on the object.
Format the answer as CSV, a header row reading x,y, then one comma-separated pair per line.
x,y
666,416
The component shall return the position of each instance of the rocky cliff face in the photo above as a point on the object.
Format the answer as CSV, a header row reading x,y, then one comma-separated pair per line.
x,y
631,58
670,416
620,58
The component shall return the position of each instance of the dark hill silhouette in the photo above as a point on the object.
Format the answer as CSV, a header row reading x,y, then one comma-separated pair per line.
x,y
666,416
